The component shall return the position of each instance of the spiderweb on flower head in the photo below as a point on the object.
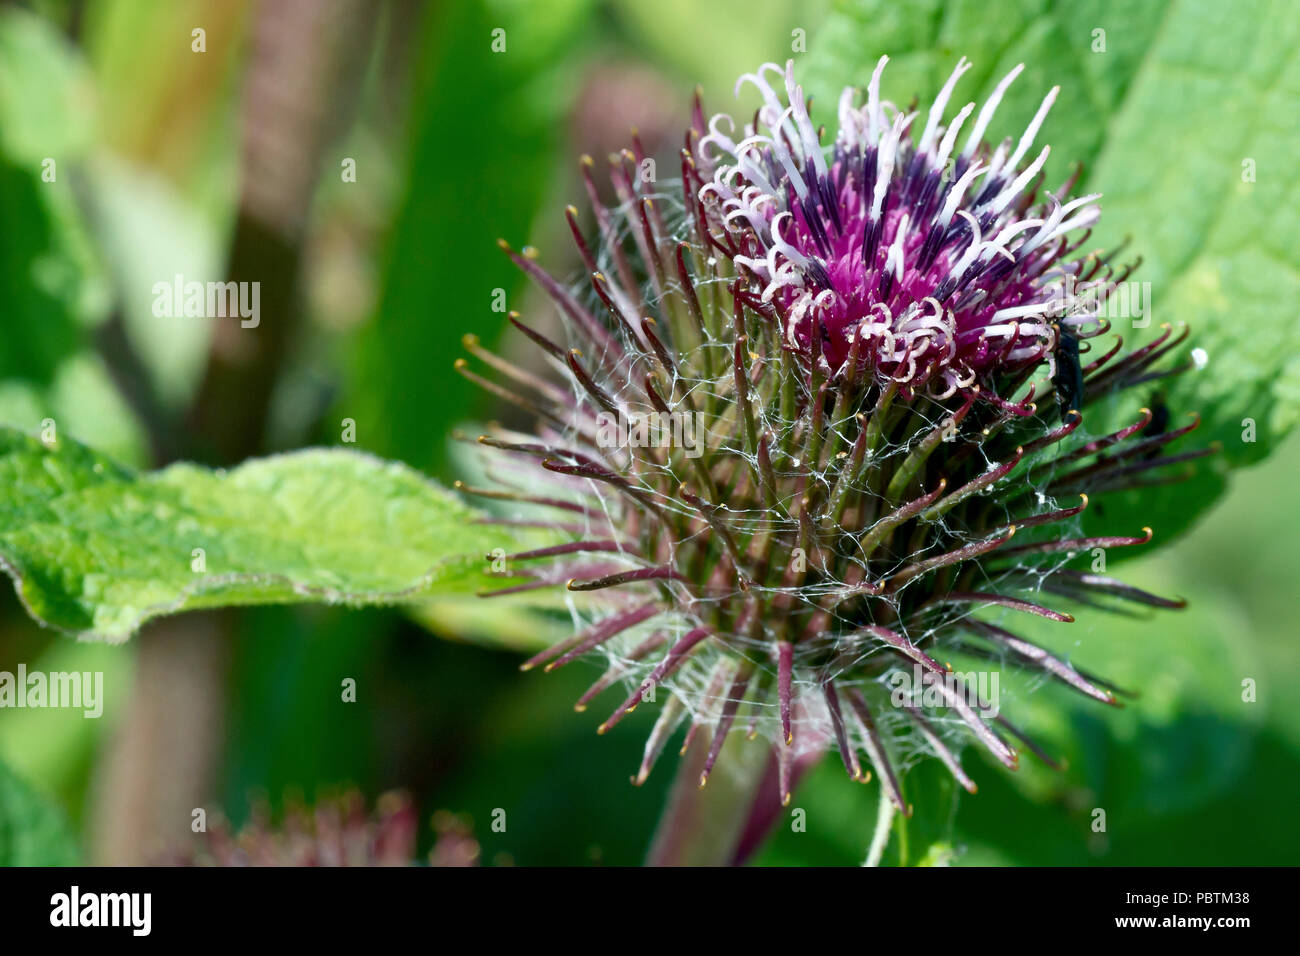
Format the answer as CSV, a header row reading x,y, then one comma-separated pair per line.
x,y
700,684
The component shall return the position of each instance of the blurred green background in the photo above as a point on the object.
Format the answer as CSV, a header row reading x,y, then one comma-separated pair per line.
x,y
175,161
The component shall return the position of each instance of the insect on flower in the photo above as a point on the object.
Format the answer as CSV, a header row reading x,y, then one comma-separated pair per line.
x,y
866,333
1069,373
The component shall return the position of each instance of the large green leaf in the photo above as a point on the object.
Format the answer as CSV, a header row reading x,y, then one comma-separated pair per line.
x,y
33,831
97,550
1163,120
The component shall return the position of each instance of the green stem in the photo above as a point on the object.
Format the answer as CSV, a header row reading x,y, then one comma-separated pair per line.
x,y
880,838
701,827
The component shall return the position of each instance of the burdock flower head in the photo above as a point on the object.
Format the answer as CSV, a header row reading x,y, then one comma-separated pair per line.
x,y
335,832
819,428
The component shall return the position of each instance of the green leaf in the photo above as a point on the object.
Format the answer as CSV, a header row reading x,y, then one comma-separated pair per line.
x,y
924,41
97,550
1163,122
44,270
52,284
46,93
519,622
756,31
149,230
1221,254
33,831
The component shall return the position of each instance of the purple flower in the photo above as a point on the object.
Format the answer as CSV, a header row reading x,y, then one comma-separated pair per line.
x,y
905,244
810,395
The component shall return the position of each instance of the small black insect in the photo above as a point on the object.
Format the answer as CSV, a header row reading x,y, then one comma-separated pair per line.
x,y
1068,379
1159,423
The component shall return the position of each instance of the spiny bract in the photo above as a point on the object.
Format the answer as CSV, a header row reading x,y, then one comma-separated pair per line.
x,y
825,404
